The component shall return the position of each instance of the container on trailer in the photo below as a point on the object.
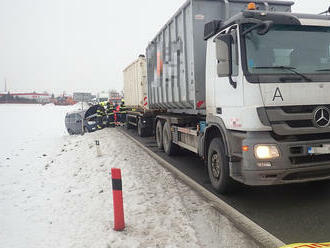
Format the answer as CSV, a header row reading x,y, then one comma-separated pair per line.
x,y
135,83
176,56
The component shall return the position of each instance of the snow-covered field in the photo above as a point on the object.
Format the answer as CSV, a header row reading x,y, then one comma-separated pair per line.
x,y
56,192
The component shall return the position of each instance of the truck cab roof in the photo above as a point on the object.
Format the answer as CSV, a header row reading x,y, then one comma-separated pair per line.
x,y
251,16
277,17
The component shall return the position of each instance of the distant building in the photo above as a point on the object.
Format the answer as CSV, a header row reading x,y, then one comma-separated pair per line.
x,y
112,96
64,100
82,96
102,96
8,97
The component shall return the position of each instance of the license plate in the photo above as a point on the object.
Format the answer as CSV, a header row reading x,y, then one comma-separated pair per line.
x,y
323,149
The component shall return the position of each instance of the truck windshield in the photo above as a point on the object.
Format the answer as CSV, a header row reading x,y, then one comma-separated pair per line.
x,y
303,51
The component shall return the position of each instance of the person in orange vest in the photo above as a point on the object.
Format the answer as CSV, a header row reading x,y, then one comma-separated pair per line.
x,y
116,111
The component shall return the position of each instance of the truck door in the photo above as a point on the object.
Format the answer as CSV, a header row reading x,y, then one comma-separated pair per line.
x,y
229,89
228,82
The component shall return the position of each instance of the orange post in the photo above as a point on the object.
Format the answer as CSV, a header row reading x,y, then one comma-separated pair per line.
x,y
118,208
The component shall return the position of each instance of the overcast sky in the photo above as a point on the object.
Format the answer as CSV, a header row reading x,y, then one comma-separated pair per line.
x,y
82,45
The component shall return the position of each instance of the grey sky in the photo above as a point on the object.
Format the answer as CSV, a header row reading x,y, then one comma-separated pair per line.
x,y
82,45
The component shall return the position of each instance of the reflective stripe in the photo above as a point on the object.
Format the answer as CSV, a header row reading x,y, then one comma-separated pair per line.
x,y
116,184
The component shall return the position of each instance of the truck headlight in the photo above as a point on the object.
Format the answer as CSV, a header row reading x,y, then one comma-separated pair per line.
x,y
266,151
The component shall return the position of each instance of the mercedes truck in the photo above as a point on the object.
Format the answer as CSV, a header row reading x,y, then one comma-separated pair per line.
x,y
246,86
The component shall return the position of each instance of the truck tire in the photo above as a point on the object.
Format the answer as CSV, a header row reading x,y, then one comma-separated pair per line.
x,y
142,132
169,147
218,167
159,135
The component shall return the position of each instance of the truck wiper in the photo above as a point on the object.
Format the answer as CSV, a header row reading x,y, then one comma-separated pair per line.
x,y
289,68
323,70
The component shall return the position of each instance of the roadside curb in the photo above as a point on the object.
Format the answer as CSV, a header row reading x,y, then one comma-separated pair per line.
x,y
244,224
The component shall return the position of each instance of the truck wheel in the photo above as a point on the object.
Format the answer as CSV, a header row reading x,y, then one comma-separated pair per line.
x,y
142,132
218,167
169,147
159,135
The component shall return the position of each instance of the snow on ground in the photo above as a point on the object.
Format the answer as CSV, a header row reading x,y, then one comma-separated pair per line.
x,y
56,192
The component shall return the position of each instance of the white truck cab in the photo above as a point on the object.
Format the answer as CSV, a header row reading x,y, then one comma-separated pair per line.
x,y
268,97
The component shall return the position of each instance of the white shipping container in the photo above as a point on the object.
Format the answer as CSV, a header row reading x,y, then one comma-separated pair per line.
x,y
135,84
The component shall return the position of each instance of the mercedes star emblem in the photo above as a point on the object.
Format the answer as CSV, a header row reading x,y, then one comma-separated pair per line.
x,y
322,117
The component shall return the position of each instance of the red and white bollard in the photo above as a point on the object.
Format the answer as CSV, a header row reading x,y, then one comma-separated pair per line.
x,y
118,208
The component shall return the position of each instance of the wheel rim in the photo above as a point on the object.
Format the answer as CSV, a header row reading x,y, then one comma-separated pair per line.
x,y
215,165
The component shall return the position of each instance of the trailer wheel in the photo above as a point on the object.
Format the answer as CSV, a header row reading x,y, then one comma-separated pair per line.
x,y
218,167
159,135
142,132
169,147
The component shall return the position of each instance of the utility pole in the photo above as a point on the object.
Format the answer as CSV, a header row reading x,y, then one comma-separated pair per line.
x,y
5,85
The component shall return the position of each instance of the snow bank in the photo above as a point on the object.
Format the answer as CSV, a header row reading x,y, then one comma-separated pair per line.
x,y
56,192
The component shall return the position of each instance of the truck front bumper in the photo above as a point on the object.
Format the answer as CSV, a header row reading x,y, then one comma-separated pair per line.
x,y
295,164
286,176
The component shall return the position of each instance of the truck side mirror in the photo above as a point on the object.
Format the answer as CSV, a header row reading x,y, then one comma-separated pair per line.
x,y
223,55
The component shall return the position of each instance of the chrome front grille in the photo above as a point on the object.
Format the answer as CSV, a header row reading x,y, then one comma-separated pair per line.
x,y
292,120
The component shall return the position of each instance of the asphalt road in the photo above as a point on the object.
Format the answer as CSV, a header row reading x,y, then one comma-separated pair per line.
x,y
293,213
